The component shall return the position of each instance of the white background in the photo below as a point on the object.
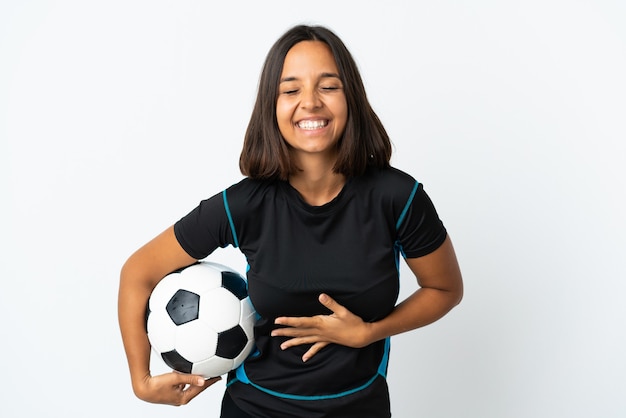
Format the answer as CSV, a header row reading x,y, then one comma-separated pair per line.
x,y
118,117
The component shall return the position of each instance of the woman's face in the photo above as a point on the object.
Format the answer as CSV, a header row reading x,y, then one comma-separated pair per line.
x,y
311,109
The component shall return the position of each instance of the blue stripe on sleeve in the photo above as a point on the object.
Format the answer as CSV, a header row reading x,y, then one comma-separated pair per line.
x,y
408,204
230,219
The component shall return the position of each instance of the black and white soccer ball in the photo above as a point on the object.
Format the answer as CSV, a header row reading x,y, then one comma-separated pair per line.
x,y
200,320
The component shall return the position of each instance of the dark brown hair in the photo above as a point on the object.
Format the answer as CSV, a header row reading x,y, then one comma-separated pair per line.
x,y
364,142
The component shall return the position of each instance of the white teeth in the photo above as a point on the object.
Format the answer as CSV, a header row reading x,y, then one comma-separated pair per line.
x,y
312,124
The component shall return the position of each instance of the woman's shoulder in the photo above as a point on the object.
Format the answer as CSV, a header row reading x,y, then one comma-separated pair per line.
x,y
250,192
247,184
388,180
389,187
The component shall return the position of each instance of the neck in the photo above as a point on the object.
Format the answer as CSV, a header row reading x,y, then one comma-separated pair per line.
x,y
317,183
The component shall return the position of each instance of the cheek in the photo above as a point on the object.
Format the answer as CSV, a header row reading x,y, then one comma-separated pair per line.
x,y
283,114
341,115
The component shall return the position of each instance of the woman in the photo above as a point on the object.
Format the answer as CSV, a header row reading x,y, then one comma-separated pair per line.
x,y
322,219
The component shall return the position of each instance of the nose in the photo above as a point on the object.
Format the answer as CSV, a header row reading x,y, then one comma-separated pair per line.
x,y
310,99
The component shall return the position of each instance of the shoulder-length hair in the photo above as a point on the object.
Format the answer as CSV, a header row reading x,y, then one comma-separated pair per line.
x,y
364,142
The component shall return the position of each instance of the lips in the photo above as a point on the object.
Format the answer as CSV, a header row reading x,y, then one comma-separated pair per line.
x,y
310,125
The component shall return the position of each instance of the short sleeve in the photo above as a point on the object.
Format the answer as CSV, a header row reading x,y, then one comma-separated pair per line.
x,y
420,231
205,228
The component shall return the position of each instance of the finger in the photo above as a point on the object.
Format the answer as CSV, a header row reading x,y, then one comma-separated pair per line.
x,y
294,321
293,332
193,386
330,303
184,379
292,342
191,392
315,348
211,381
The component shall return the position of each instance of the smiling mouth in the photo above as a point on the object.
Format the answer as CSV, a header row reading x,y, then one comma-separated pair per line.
x,y
311,124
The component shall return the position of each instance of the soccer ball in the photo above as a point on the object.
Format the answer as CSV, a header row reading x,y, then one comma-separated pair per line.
x,y
200,320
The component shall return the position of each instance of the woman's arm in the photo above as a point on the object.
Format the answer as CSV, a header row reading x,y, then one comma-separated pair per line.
x,y
139,275
441,288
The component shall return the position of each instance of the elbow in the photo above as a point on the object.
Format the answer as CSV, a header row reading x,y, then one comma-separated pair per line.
x,y
458,294
459,298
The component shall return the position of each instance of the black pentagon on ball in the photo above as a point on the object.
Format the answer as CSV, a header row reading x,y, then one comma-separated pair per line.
x,y
231,342
183,306
176,361
235,283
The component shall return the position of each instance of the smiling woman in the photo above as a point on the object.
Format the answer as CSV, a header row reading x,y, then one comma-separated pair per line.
x,y
322,219
364,141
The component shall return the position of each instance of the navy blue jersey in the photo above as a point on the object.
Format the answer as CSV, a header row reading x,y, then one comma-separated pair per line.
x,y
348,248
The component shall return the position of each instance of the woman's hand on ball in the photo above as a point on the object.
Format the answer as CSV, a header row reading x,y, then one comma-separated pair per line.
x,y
172,388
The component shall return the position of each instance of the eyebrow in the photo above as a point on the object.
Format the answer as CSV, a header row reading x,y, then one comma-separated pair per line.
x,y
323,75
